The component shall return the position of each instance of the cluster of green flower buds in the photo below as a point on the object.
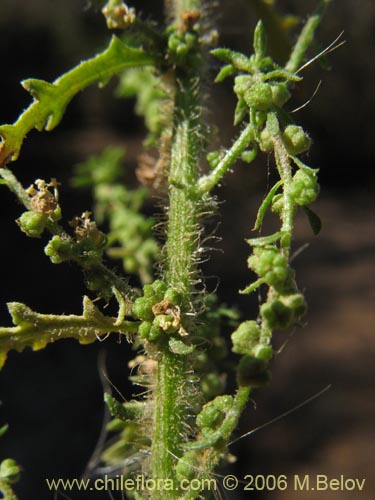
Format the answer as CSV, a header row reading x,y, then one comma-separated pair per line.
x,y
183,38
159,311
283,311
87,247
44,208
296,140
271,264
261,85
305,188
179,44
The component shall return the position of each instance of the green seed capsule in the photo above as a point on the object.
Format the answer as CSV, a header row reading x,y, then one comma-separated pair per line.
x,y
33,223
296,140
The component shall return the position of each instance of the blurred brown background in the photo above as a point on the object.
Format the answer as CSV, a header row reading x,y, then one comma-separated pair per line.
x,y
53,399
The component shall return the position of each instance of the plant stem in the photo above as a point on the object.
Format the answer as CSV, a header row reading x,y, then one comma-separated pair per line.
x,y
285,172
180,266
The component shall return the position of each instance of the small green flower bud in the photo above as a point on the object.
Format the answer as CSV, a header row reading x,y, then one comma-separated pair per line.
x,y
280,94
296,302
173,296
253,372
142,308
58,249
265,141
296,140
9,471
32,223
245,337
262,351
155,332
214,158
276,314
144,329
159,288
259,96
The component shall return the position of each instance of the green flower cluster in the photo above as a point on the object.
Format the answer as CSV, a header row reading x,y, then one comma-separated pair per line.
x,y
159,311
86,248
270,264
305,188
283,310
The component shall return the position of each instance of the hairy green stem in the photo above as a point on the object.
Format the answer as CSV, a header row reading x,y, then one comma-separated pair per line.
x,y
180,268
210,180
285,172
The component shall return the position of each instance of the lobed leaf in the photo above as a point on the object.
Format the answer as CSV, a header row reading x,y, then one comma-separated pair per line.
x,y
37,330
51,99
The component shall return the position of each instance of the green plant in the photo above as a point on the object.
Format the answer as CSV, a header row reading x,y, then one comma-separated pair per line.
x,y
181,428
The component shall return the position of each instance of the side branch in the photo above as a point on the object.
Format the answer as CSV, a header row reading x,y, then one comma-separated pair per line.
x,y
209,181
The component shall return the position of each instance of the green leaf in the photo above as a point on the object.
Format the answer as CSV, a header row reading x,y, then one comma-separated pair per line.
x,y
3,429
51,99
265,204
314,219
251,288
260,42
179,347
236,59
225,71
37,330
265,240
